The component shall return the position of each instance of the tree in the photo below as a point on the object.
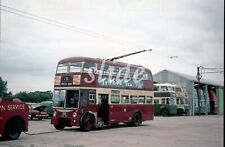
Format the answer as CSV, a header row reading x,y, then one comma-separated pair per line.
x,y
3,87
34,97
3,90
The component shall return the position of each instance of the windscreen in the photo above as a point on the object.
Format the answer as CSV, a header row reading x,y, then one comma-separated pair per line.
x,y
172,101
59,98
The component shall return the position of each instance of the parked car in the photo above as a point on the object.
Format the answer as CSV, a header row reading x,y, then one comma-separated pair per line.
x,y
37,111
49,107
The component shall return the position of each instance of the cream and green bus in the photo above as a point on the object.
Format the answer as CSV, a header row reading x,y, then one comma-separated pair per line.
x,y
165,100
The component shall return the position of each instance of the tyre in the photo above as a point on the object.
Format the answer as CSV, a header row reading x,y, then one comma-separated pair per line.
x,y
12,135
164,112
59,126
13,129
180,112
40,118
87,122
136,119
30,117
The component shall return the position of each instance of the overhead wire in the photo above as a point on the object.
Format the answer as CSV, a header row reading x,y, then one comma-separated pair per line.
x,y
205,70
74,28
212,68
62,25
215,72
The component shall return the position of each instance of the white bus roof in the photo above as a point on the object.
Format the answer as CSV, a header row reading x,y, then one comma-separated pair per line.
x,y
164,84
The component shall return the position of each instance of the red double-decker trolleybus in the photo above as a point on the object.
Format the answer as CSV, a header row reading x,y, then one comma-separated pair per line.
x,y
92,93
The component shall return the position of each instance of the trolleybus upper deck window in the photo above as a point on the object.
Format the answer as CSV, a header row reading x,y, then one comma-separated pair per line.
x,y
75,67
89,67
62,68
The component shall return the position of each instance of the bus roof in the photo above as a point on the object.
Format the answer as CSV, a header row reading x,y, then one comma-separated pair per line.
x,y
164,84
97,60
169,84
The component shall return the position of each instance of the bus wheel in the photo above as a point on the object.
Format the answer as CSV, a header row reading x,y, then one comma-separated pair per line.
x,y
12,135
59,126
13,129
136,119
40,118
180,112
87,122
164,112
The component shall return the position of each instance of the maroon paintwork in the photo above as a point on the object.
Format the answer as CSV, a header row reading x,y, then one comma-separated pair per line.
x,y
213,102
148,84
117,113
96,60
69,115
123,112
10,110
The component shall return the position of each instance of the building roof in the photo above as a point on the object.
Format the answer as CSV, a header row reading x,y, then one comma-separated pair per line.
x,y
192,78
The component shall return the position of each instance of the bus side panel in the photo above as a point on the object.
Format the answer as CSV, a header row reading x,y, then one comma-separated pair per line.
x,y
1,124
123,113
148,85
146,110
118,113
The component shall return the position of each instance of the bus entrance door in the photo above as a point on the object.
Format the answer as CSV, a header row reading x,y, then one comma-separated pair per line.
x,y
103,111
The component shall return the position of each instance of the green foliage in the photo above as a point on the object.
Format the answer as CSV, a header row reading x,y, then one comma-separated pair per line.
x,y
34,97
8,96
3,87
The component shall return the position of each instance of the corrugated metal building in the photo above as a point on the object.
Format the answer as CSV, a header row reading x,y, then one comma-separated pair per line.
x,y
190,82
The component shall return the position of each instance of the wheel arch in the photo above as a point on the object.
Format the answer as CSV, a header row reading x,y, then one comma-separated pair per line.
x,y
19,121
94,115
180,111
137,111
164,108
136,118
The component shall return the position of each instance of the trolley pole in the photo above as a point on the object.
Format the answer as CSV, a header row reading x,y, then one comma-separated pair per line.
x,y
198,88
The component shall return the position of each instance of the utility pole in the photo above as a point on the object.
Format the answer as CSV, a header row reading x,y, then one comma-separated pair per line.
x,y
206,100
198,88
199,76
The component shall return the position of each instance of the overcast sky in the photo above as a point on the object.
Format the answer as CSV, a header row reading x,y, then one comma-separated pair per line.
x,y
193,30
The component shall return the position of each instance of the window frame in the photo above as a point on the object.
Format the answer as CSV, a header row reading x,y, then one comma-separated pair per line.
x,y
92,97
133,97
143,99
122,100
151,98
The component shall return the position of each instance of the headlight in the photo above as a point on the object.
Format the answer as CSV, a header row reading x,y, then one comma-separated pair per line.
x,y
54,113
74,114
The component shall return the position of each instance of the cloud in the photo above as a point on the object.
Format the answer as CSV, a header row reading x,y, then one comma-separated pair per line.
x,y
192,30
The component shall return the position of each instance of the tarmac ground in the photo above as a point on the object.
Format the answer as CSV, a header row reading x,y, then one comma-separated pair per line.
x,y
185,131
